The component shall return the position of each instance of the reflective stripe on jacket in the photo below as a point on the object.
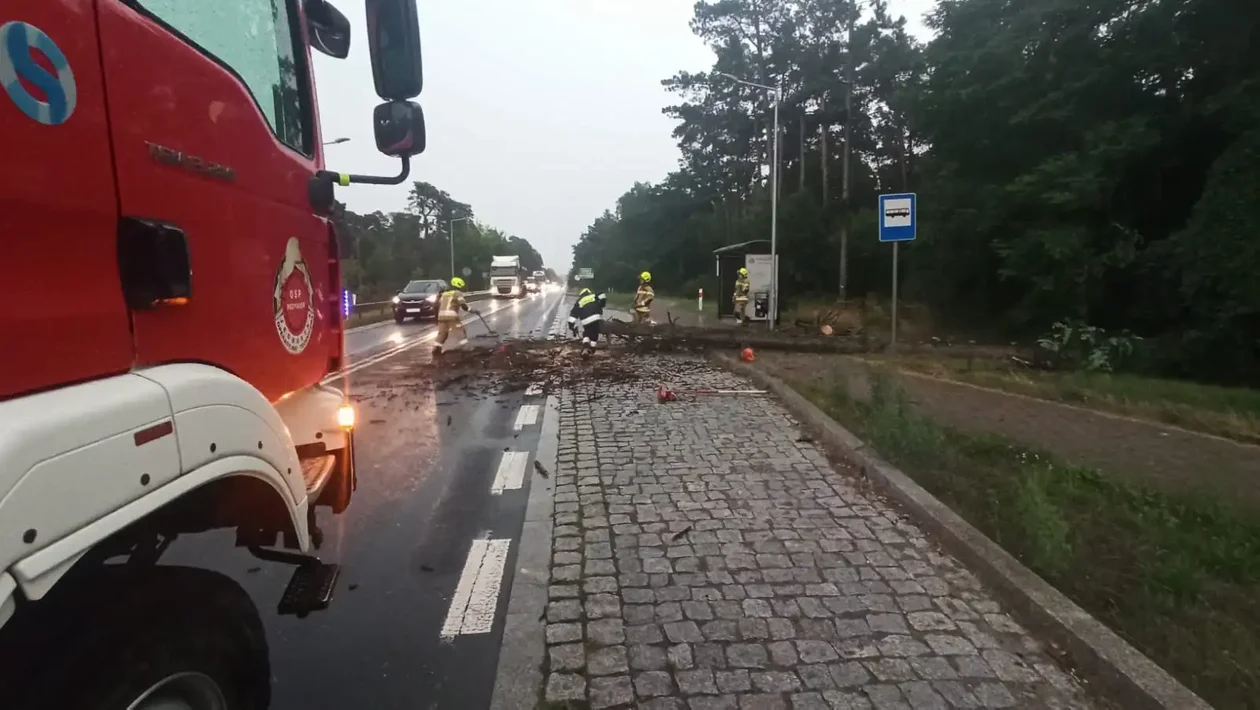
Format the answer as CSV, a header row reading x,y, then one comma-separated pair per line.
x,y
643,298
741,289
588,309
450,304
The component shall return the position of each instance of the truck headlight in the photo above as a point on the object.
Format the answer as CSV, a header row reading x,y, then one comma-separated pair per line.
x,y
396,299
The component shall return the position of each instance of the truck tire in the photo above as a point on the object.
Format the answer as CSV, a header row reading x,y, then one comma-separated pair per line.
x,y
142,636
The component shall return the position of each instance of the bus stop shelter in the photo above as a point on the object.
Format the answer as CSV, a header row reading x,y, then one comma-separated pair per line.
x,y
729,261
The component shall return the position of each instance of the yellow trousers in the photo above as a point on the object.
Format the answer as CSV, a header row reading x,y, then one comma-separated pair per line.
x,y
444,328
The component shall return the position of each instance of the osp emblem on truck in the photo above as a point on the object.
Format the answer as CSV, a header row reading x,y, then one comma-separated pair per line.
x,y
27,54
294,300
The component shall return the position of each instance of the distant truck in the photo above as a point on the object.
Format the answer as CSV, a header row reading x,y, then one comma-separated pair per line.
x,y
507,278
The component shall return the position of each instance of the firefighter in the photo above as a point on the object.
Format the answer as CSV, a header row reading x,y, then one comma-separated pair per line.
x,y
643,298
741,296
450,304
588,313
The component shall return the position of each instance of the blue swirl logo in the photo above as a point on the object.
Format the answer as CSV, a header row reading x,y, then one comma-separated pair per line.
x,y
18,44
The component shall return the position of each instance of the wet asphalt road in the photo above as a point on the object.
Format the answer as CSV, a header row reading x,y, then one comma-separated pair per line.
x,y
424,496
518,317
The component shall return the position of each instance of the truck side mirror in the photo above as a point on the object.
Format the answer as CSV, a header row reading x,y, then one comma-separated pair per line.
x,y
399,128
394,43
329,29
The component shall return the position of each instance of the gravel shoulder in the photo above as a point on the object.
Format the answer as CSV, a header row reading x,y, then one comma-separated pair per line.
x,y
1165,457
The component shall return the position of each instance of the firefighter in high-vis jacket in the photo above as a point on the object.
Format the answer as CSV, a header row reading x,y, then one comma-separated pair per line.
x,y
741,296
643,298
587,314
450,303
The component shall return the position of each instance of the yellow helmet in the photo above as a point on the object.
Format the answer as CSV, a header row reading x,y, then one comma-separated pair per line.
x,y
743,271
645,277
457,282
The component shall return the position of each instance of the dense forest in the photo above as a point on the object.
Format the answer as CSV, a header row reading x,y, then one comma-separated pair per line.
x,y
381,252
1096,162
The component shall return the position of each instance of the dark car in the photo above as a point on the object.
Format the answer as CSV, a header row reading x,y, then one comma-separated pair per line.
x,y
418,299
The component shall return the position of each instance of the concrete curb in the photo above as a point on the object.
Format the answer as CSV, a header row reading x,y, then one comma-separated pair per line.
x,y
518,679
1117,670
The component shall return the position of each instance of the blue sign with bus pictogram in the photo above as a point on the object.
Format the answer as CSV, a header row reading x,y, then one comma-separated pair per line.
x,y
898,220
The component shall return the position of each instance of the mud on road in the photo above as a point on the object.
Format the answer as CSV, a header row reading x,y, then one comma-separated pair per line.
x,y
490,368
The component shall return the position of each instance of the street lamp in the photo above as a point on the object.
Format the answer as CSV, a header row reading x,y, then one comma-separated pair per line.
x,y
774,197
337,141
452,230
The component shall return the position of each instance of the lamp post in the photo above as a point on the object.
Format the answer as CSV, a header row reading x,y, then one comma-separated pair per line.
x,y
452,231
774,197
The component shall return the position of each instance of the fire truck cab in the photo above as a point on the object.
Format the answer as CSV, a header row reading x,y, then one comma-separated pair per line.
x,y
171,332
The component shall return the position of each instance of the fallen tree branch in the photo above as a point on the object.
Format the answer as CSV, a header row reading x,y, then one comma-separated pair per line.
x,y
679,337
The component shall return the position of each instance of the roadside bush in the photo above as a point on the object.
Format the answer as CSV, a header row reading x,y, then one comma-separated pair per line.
x,y
1077,345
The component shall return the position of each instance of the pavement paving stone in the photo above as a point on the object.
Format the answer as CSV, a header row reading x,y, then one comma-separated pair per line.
x,y
706,557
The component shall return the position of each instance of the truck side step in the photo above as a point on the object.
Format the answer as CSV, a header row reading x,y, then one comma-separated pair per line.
x,y
316,471
310,588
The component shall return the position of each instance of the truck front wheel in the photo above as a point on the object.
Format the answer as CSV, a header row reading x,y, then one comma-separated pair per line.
x,y
165,637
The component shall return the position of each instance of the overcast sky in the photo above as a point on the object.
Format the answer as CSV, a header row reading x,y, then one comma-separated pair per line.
x,y
540,113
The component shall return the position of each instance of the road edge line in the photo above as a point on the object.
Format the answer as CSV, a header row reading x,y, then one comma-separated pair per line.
x,y
1119,671
518,677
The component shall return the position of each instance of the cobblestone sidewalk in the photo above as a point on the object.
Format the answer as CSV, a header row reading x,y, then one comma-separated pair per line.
x,y
705,558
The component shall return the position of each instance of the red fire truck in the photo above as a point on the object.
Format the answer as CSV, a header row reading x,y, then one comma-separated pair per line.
x,y
170,331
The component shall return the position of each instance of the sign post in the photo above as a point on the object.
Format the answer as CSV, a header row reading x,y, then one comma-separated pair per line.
x,y
898,222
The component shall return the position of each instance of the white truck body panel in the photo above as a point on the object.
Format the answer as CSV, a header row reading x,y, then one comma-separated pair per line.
x,y
37,573
80,463
8,604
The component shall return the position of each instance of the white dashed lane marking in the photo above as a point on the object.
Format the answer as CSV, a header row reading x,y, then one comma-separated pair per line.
x,y
560,324
511,473
477,595
528,416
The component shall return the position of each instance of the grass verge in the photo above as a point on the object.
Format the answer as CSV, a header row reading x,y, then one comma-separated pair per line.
x,y
1230,412
1178,577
